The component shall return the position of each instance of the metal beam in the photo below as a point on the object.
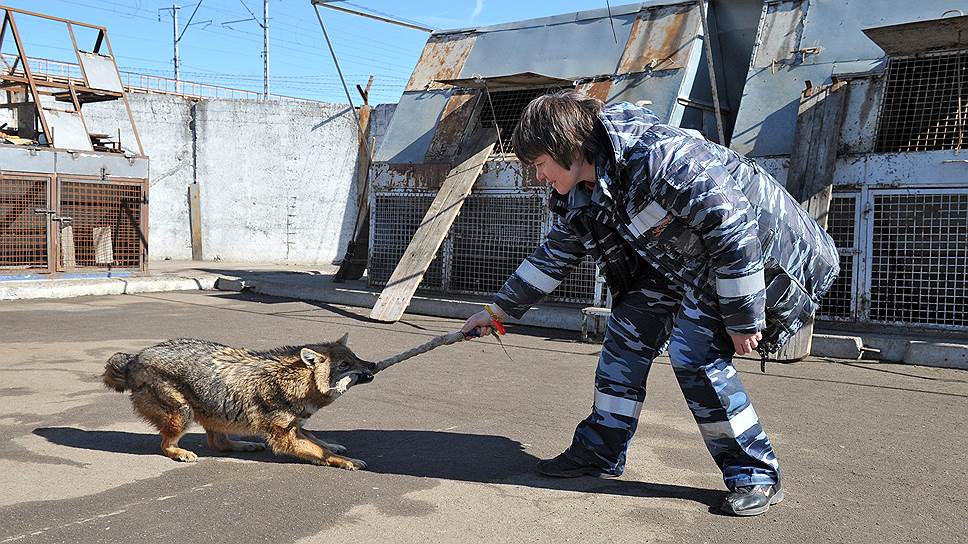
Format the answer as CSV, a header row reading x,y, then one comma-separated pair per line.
x,y
330,4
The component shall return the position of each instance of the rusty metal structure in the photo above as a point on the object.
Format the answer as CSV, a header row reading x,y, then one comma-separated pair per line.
x,y
481,78
71,200
900,209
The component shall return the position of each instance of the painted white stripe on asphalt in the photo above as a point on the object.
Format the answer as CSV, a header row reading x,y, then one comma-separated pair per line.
x,y
737,425
647,218
536,278
740,287
617,405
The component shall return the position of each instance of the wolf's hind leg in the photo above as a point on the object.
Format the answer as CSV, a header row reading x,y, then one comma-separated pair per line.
x,y
170,414
338,449
288,441
221,442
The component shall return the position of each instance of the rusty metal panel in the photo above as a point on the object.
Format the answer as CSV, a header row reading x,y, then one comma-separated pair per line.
x,y
412,127
858,131
419,176
106,208
503,174
68,130
443,57
597,89
566,50
918,37
23,231
100,71
660,38
453,124
780,34
509,81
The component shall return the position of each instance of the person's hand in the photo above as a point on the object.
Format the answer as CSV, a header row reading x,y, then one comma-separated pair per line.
x,y
482,321
745,343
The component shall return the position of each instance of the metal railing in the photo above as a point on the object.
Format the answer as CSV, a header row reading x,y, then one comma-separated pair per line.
x,y
143,83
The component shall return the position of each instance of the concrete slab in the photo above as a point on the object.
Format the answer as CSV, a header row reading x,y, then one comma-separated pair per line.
x,y
21,290
451,438
941,354
836,346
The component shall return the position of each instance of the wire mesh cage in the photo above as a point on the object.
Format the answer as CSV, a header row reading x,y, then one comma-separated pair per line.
x,y
839,303
493,234
396,217
106,223
504,109
23,231
919,258
925,105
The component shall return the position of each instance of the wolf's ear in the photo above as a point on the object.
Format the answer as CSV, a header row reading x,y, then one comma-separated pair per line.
x,y
310,358
343,339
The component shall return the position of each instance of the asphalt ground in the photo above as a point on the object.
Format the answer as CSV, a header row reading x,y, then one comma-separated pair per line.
x,y
870,452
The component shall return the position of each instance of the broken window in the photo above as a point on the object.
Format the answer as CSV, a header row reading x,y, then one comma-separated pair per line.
x,y
506,111
925,104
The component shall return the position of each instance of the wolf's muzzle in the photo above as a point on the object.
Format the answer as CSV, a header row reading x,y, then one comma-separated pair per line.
x,y
364,377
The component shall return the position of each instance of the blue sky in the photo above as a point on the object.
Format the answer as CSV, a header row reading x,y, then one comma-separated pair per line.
x,y
300,65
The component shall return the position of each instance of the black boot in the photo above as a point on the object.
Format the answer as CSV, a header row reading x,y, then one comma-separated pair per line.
x,y
752,500
565,465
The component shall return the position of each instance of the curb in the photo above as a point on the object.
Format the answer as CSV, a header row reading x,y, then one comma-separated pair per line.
x,y
836,346
37,289
937,354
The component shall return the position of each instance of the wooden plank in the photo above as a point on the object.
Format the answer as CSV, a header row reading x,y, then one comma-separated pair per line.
x,y
355,258
195,219
103,247
68,260
810,180
430,234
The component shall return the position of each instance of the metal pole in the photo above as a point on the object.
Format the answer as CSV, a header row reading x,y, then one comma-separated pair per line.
x,y
349,99
706,40
174,39
265,49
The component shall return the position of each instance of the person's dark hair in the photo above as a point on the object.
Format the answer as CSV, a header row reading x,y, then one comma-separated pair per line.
x,y
561,124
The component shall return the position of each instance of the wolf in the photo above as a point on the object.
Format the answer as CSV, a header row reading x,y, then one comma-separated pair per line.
x,y
237,391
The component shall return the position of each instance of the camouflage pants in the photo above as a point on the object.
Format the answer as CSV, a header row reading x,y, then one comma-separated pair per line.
x,y
701,353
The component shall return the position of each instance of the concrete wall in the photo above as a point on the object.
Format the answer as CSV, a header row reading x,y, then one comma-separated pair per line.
x,y
277,179
164,123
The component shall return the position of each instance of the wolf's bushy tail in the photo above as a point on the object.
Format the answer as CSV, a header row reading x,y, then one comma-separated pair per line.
x,y
116,371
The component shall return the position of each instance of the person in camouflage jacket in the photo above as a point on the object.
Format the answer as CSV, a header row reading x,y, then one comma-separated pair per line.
x,y
701,249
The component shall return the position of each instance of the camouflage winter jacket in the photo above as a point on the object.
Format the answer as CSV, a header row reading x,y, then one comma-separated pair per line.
x,y
702,215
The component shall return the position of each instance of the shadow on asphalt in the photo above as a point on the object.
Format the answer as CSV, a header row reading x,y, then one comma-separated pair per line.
x,y
426,454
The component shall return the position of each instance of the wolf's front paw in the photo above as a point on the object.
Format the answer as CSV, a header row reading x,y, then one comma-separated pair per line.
x,y
184,456
351,464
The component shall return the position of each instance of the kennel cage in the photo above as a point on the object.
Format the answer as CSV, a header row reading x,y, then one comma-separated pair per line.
x,y
73,196
899,213
650,53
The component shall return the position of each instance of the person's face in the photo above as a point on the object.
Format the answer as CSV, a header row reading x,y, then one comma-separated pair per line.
x,y
560,178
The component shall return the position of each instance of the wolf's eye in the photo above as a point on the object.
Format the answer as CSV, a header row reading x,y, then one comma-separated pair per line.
x,y
343,366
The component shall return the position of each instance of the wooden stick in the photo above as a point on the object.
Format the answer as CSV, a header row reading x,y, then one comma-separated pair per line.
x,y
442,340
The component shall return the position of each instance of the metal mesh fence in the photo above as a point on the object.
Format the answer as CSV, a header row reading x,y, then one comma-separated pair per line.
x,y
925,104
105,223
838,303
396,217
506,112
919,258
491,236
489,239
23,232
